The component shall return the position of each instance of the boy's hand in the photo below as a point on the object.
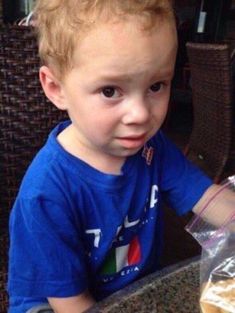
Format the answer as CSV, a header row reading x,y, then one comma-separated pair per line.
x,y
76,304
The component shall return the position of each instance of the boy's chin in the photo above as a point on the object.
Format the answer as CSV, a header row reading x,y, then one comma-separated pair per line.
x,y
129,152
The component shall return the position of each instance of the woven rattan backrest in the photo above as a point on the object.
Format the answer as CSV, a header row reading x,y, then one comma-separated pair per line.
x,y
211,83
26,116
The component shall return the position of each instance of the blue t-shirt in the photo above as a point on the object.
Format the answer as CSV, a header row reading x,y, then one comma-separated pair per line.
x,y
73,227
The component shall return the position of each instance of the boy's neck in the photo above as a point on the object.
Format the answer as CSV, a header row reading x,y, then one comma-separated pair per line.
x,y
105,163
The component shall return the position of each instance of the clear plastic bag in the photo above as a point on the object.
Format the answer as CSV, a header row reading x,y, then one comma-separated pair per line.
x,y
217,266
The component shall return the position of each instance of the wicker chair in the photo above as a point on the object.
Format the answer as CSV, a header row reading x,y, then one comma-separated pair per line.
x,y
26,118
212,95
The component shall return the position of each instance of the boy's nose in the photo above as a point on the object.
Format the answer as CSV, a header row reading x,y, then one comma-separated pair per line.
x,y
137,112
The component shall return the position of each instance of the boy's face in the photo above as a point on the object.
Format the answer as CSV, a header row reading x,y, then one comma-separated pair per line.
x,y
118,91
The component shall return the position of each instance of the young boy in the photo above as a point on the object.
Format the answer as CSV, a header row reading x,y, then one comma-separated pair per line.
x,y
87,220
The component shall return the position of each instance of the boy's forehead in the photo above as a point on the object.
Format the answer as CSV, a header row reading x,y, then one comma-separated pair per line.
x,y
112,42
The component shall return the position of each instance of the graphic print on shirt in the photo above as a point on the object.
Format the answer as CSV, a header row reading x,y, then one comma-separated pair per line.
x,y
126,255
120,257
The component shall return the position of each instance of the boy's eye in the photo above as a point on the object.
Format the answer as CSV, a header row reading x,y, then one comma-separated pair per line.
x,y
109,92
156,87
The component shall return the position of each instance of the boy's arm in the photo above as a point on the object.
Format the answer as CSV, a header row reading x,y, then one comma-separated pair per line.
x,y
220,209
76,304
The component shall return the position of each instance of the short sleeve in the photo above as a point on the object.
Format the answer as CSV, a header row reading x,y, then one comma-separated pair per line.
x,y
46,251
182,183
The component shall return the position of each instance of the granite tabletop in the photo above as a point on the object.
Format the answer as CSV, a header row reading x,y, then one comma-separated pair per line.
x,y
172,290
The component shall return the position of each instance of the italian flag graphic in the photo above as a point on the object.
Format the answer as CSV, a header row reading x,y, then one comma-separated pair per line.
x,y
121,257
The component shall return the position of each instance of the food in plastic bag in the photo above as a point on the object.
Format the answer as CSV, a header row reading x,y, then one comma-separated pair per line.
x,y
218,297
217,266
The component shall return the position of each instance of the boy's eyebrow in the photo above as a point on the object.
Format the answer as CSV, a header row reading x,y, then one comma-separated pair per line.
x,y
117,77
128,77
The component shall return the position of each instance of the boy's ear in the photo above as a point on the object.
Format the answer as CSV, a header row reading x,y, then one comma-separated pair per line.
x,y
52,87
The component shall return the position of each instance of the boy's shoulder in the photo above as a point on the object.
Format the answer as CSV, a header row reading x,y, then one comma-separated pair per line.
x,y
47,166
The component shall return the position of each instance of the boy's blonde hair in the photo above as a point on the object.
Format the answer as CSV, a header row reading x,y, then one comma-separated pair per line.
x,y
60,24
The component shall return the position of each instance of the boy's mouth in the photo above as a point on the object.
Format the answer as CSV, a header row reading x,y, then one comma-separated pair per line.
x,y
132,142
